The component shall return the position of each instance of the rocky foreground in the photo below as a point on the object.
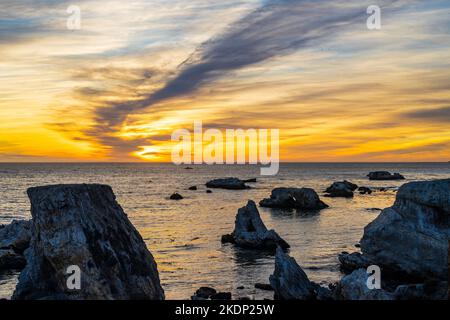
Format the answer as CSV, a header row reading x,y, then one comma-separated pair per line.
x,y
84,226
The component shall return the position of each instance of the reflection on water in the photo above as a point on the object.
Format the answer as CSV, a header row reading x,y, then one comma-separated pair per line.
x,y
184,236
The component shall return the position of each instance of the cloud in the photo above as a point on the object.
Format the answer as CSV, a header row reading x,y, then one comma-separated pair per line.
x,y
278,28
434,115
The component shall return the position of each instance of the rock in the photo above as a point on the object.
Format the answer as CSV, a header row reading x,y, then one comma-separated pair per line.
x,y
16,235
250,231
176,196
426,291
208,191
188,168
354,287
290,198
9,259
221,296
227,238
364,190
252,180
352,261
412,236
205,292
339,189
385,175
350,185
83,225
264,286
289,281
193,188
240,288
322,293
227,183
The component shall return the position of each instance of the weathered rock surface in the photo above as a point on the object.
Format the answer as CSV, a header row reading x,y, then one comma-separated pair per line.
x,y
16,236
250,231
385,175
84,226
340,189
227,183
354,287
294,198
289,281
412,236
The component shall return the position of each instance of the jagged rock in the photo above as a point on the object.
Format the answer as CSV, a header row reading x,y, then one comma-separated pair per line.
x,y
16,235
9,259
83,225
289,281
250,231
412,236
385,175
193,188
354,287
227,183
176,196
298,198
339,189
352,261
365,190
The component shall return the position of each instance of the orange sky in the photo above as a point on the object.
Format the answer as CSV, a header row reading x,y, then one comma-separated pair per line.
x,y
117,88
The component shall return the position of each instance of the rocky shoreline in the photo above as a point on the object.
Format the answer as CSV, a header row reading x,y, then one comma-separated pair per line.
x,y
83,225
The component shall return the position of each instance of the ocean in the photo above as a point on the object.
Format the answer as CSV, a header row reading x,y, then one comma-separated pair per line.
x,y
184,236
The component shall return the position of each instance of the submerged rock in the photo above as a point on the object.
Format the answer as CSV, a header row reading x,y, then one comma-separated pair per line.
x,y
16,235
250,231
385,175
176,196
289,281
365,190
227,183
193,188
294,198
412,236
83,225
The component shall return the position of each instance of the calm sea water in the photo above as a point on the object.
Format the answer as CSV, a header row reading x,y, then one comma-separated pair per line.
x,y
184,236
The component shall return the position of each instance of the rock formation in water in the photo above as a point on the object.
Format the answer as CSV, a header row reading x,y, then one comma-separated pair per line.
x,y
84,226
385,175
342,189
176,196
289,281
14,239
250,231
294,198
227,183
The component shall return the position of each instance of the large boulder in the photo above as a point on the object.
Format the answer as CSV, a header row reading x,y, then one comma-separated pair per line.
x,y
250,231
227,183
16,235
83,226
289,281
290,198
412,236
342,189
385,175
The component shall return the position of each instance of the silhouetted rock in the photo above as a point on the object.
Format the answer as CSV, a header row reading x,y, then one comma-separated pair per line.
x,y
290,198
221,296
339,189
252,180
193,188
412,236
250,231
227,183
84,226
176,196
16,235
289,281
365,190
205,292
10,260
208,191
385,175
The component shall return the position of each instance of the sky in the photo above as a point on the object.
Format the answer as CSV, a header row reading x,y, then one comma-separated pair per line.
x,y
136,71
